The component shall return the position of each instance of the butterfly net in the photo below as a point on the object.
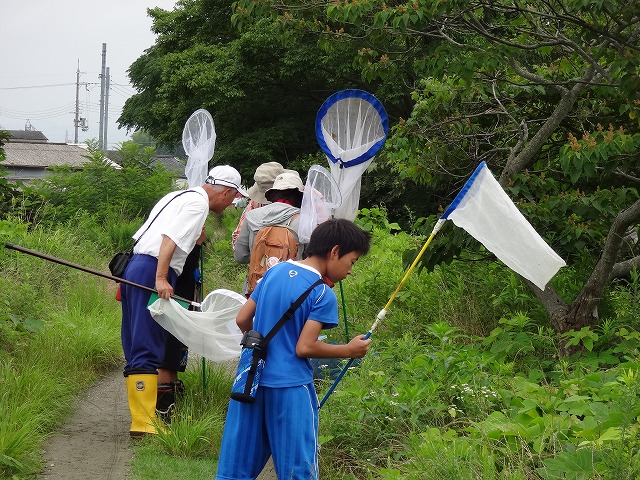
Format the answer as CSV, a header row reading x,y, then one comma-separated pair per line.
x,y
321,197
351,127
211,333
199,142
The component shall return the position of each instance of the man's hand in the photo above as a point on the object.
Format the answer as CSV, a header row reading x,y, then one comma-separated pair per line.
x,y
167,247
202,237
164,288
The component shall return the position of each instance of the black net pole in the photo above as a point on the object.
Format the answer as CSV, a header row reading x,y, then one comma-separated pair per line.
x,y
90,270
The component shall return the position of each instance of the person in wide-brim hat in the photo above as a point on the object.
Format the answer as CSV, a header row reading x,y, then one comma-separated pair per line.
x,y
264,177
286,197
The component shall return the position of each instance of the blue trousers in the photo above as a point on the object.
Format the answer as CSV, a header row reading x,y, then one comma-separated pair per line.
x,y
143,339
282,423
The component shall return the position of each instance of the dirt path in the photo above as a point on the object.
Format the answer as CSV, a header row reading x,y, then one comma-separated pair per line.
x,y
94,442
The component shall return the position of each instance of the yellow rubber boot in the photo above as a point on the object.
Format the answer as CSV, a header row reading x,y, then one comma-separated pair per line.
x,y
142,390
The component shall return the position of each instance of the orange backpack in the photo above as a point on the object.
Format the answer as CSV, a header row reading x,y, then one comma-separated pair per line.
x,y
272,245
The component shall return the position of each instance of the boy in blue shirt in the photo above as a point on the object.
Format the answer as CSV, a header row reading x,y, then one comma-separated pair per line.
x,y
283,420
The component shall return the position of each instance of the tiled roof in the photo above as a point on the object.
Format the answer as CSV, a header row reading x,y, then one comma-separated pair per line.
x,y
26,136
171,163
44,155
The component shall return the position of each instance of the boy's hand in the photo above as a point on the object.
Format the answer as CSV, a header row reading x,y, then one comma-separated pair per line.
x,y
359,346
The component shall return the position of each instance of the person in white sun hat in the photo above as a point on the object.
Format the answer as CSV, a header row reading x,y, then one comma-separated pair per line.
x,y
286,197
162,245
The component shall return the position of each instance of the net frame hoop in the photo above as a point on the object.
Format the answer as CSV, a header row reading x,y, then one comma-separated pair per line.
x,y
343,95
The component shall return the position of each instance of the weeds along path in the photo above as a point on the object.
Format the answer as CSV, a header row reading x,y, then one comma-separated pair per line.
x,y
93,444
94,441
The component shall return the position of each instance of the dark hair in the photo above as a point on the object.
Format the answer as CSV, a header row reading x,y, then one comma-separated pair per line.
x,y
292,195
343,233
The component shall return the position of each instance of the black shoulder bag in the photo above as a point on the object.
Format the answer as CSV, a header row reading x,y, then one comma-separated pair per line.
x,y
254,353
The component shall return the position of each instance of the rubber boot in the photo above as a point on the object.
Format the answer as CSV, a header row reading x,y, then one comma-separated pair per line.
x,y
142,391
166,402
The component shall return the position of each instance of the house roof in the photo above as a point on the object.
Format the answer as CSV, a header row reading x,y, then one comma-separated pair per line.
x,y
171,163
43,155
26,136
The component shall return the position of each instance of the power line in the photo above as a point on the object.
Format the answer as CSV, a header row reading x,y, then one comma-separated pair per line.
x,y
35,112
122,90
56,112
38,86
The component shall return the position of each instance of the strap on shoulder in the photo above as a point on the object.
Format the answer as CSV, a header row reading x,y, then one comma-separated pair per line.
x,y
289,313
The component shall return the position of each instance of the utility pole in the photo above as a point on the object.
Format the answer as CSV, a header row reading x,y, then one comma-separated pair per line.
x,y
106,111
102,96
77,120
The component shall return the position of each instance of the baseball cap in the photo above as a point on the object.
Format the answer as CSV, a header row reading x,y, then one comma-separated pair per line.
x,y
227,176
264,177
286,181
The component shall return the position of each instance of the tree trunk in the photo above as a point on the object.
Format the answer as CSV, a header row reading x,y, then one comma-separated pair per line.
x,y
583,310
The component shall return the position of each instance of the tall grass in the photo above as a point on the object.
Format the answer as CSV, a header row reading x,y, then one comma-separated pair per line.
x,y
60,331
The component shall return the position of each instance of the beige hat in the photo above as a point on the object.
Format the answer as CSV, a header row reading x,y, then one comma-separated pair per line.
x,y
264,177
286,181
226,175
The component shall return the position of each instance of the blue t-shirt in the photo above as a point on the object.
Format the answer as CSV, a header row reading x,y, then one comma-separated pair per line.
x,y
279,288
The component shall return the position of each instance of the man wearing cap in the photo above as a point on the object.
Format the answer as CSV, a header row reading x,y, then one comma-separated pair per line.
x,y
264,176
163,243
286,197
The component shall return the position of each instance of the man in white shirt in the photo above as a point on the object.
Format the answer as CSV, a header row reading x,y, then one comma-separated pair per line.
x,y
163,243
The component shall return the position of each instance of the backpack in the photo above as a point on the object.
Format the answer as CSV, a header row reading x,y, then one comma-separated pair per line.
x,y
272,245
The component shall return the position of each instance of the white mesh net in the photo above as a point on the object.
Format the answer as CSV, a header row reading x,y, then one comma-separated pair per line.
x,y
211,333
321,197
350,129
199,142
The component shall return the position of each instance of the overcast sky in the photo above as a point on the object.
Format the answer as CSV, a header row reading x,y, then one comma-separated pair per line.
x,y
40,45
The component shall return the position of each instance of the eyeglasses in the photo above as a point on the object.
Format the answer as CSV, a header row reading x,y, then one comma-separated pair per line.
x,y
224,183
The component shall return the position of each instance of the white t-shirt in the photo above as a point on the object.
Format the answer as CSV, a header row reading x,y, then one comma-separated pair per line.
x,y
182,221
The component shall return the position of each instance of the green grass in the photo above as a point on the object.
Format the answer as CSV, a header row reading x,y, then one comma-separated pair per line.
x,y
149,465
44,373
463,380
191,442
59,330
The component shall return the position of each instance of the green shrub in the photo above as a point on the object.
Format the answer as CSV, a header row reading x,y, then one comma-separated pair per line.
x,y
102,190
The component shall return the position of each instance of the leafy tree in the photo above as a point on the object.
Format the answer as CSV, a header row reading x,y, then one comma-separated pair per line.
x,y
263,89
546,93
263,93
